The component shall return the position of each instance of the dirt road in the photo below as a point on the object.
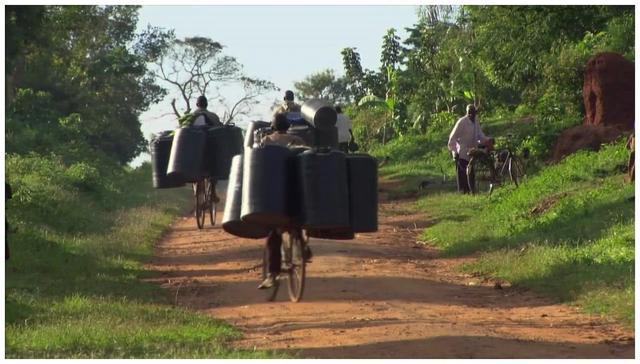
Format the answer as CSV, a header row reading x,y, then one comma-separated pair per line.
x,y
379,296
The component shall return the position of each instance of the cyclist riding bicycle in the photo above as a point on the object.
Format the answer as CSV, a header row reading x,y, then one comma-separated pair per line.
x,y
288,105
202,117
274,241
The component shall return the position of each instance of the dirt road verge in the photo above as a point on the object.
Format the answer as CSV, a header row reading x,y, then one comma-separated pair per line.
x,y
379,296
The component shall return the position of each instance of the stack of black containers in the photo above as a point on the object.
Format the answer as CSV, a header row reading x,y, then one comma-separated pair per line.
x,y
331,194
192,153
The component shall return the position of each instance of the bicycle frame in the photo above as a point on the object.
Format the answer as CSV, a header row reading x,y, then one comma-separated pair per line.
x,y
292,264
203,196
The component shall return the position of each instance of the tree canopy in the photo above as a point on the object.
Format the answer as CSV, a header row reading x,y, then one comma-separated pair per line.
x,y
77,80
492,56
323,85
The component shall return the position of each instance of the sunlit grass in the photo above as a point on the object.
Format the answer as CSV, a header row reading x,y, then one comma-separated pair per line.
x,y
567,231
78,292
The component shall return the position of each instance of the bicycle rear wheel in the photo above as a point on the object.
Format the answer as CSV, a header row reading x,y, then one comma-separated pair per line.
x,y
479,176
200,200
297,266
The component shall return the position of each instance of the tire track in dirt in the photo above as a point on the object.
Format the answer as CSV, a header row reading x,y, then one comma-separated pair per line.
x,y
379,296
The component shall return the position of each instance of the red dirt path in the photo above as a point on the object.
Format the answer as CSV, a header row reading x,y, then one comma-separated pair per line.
x,y
379,296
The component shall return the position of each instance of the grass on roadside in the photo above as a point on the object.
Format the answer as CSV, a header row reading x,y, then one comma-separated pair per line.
x,y
567,232
73,283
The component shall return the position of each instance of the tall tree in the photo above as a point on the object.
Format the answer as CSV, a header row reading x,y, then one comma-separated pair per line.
x,y
434,14
196,66
353,71
323,85
193,66
391,55
87,81
512,41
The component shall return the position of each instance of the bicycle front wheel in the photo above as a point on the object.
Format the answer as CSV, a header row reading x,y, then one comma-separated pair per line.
x,y
479,176
200,200
297,266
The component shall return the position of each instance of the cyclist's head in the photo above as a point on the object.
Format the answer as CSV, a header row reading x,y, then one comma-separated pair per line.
x,y
202,102
338,109
471,110
280,123
288,95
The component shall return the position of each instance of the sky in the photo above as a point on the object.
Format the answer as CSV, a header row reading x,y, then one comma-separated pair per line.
x,y
279,43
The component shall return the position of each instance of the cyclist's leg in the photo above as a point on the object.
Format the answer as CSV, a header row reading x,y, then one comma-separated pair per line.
x,y
274,258
306,249
274,242
214,197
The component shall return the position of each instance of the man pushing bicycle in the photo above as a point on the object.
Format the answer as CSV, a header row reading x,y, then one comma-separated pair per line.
x,y
466,136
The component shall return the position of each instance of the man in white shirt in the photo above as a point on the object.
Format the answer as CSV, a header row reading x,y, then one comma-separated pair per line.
x,y
466,134
344,125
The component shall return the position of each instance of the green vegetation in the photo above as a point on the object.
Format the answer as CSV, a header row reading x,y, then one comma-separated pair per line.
x,y
522,61
74,284
78,80
567,232
83,222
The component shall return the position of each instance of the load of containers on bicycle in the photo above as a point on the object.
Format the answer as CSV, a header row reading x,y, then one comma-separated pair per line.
x,y
331,194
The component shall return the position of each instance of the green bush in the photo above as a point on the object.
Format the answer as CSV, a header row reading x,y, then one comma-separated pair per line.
x,y
43,192
565,64
566,232
83,176
74,286
442,122
367,126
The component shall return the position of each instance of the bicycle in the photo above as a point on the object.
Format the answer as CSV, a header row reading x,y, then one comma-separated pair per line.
x,y
489,168
204,192
294,244
293,265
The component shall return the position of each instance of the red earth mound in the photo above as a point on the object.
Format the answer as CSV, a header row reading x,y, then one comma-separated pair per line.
x,y
584,137
608,91
608,94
